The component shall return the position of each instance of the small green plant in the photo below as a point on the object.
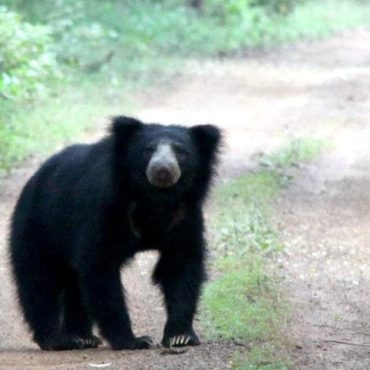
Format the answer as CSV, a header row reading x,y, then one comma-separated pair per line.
x,y
294,152
244,303
241,220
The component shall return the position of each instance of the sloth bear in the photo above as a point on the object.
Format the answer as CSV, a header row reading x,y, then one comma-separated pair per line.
x,y
89,209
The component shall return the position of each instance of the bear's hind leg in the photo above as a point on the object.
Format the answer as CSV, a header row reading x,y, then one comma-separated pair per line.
x,y
39,292
40,286
77,321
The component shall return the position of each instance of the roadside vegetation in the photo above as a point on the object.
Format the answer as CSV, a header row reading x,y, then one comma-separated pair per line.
x,y
65,63
244,303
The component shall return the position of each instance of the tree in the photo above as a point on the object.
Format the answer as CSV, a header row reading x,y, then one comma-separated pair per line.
x,y
196,4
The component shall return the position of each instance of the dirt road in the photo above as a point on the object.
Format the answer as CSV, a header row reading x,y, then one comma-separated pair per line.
x,y
320,89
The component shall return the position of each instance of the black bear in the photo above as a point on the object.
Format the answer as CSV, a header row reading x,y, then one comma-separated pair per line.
x,y
89,209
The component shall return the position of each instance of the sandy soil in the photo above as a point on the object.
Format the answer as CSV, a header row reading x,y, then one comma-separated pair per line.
x,y
320,89
325,218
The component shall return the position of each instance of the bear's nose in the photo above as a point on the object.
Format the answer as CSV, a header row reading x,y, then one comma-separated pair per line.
x,y
163,174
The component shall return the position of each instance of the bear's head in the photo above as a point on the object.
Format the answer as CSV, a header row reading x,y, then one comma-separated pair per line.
x,y
169,160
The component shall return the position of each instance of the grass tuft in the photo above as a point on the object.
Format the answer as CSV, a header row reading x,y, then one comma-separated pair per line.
x,y
245,304
241,220
294,152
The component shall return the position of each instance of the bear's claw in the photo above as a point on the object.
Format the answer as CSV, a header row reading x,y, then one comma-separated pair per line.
x,y
182,340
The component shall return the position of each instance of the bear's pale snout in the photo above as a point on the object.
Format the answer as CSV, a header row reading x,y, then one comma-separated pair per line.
x,y
163,169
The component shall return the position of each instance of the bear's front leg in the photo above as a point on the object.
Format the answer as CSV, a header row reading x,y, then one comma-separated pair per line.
x,y
180,276
103,292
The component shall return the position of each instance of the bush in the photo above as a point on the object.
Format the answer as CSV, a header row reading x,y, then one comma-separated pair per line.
x,y
282,7
81,40
230,9
27,62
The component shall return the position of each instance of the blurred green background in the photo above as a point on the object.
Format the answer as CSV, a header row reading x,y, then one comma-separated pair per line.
x,y
64,62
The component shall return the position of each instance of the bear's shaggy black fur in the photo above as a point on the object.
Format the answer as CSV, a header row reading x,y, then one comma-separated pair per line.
x,y
88,210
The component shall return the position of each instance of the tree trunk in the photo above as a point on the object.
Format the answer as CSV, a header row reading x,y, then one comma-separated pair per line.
x,y
196,4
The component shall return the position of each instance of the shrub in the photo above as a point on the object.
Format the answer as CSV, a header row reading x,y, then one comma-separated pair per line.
x,y
282,7
230,9
80,38
27,62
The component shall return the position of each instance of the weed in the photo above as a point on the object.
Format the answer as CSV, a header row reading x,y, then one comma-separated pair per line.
x,y
294,152
245,304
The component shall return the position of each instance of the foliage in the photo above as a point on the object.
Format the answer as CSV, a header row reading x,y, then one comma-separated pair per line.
x,y
39,127
244,303
140,36
282,7
244,235
238,8
318,19
102,48
79,38
246,228
266,23
295,151
226,10
86,31
241,305
27,62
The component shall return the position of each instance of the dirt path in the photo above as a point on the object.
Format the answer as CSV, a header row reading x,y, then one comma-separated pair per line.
x,y
319,89
326,221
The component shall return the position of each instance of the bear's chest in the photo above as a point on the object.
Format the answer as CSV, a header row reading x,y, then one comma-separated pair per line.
x,y
151,225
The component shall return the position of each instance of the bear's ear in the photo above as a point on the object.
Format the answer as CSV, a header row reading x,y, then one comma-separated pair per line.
x,y
208,138
123,127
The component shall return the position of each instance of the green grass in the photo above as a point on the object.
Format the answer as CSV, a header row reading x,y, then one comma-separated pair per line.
x,y
319,19
308,21
37,128
295,151
241,218
245,304
149,46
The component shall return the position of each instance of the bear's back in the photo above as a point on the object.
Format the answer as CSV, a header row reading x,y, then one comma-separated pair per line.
x,y
61,194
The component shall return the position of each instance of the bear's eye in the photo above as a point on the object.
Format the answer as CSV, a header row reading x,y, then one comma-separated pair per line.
x,y
148,152
181,153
